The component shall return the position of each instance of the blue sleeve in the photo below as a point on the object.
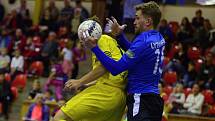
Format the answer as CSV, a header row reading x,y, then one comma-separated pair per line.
x,y
132,56
123,42
45,113
30,111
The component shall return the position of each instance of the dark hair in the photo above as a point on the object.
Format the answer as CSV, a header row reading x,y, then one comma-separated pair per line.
x,y
152,10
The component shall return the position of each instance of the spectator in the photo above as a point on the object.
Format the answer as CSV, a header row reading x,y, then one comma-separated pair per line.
x,y
165,30
2,11
28,23
12,21
177,98
38,111
194,101
185,32
4,59
165,98
190,76
5,40
49,51
67,11
128,14
67,58
36,89
179,62
23,10
19,40
53,10
32,49
77,19
46,23
206,74
17,64
84,13
79,55
6,96
56,78
198,20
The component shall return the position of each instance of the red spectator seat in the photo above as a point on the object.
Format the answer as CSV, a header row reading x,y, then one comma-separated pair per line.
x,y
170,77
193,53
168,89
174,26
15,92
208,94
187,91
165,61
211,110
7,77
174,49
20,81
198,64
37,67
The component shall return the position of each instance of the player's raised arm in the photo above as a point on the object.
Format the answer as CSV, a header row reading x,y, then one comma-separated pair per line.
x,y
117,30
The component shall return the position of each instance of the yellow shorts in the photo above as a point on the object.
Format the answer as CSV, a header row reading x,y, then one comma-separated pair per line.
x,y
96,103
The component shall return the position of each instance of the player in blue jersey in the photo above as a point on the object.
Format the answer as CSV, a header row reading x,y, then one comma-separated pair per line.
x,y
143,60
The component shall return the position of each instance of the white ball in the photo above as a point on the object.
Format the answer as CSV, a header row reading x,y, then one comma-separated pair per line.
x,y
93,28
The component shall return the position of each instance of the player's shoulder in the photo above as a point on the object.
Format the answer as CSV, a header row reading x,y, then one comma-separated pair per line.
x,y
105,39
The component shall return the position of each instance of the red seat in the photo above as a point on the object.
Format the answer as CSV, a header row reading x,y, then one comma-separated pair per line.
x,y
174,49
193,53
37,67
211,110
168,89
20,81
208,94
14,92
187,91
170,77
165,61
174,26
7,77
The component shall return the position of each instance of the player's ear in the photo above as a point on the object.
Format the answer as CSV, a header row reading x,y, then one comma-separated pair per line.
x,y
149,21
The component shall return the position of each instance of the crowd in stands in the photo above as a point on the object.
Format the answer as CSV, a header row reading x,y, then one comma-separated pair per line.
x,y
51,49
189,66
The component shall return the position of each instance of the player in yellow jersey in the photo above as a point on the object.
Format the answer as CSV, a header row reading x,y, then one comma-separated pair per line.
x,y
104,101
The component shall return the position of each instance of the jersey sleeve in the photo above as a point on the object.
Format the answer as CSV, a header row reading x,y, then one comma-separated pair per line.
x,y
132,56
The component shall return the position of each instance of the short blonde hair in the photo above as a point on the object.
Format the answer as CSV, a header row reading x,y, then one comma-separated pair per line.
x,y
152,10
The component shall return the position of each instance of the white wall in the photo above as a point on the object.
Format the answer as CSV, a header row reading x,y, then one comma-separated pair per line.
x,y
171,13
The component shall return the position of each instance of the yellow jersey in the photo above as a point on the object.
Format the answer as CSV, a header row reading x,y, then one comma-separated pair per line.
x,y
110,47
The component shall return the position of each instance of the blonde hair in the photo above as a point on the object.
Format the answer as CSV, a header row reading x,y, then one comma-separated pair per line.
x,y
152,10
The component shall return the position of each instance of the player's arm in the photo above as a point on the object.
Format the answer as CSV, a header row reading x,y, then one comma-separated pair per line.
x,y
117,31
123,42
129,59
89,77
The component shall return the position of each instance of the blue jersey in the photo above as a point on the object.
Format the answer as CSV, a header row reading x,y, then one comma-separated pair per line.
x,y
143,60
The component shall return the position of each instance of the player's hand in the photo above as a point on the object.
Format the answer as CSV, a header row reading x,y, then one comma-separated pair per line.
x,y
115,28
72,85
88,41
